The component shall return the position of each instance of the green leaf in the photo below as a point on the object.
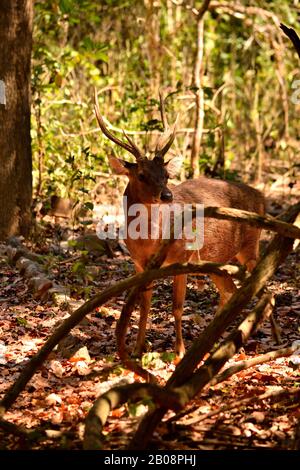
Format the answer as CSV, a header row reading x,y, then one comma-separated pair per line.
x,y
167,357
65,6
149,358
101,55
78,267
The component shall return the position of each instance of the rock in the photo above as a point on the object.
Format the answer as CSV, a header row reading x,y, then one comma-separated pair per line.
x,y
81,354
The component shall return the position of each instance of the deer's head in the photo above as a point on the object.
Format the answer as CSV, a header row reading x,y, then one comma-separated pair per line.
x,y
148,178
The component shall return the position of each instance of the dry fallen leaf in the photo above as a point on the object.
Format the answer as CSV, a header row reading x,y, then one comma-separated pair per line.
x,y
53,399
57,368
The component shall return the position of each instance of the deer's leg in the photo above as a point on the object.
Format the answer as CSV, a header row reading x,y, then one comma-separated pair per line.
x,y
145,304
179,290
225,286
249,254
249,262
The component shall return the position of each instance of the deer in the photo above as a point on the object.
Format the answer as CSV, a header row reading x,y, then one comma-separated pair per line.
x,y
224,240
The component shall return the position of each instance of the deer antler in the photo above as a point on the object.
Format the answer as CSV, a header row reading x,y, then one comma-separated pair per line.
x,y
167,138
293,36
130,147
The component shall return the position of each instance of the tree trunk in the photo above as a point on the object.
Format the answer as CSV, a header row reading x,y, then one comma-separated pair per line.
x,y
199,98
153,45
198,74
15,144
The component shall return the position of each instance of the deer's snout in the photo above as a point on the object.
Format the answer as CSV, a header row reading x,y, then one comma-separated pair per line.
x,y
166,195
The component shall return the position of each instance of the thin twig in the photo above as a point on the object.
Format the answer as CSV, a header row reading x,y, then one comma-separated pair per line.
x,y
237,404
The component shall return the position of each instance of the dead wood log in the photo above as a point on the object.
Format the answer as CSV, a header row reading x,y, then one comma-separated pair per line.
x,y
228,372
103,405
251,218
15,249
29,266
228,347
200,378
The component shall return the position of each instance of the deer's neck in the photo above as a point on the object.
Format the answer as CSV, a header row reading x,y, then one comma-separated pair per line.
x,y
132,199
141,247
131,196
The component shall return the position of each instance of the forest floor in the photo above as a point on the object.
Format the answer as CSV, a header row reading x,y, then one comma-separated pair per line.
x,y
85,365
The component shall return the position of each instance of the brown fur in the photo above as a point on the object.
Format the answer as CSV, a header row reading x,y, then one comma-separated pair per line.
x,y
223,239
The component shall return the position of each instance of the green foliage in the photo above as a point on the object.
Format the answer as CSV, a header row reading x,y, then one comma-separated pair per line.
x,y
128,51
22,321
150,358
155,360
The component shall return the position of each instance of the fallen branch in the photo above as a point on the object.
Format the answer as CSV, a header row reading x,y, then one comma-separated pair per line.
x,y
101,409
242,365
121,329
204,374
114,398
77,316
230,346
156,261
237,404
276,252
267,267
14,250
267,222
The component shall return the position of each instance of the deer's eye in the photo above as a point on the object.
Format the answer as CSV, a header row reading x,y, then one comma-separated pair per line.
x,y
141,177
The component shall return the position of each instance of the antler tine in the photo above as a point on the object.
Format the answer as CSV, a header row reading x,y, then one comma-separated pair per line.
x,y
131,147
138,154
166,140
163,110
292,35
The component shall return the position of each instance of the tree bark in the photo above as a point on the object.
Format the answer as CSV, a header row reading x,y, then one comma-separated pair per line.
x,y
199,97
15,143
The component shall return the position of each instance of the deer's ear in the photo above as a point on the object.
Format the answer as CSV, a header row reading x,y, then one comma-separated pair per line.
x,y
120,167
174,165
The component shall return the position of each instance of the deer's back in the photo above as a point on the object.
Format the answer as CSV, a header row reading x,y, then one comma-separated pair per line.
x,y
219,193
223,239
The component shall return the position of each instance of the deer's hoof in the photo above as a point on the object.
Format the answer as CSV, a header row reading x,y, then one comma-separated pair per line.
x,y
180,352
